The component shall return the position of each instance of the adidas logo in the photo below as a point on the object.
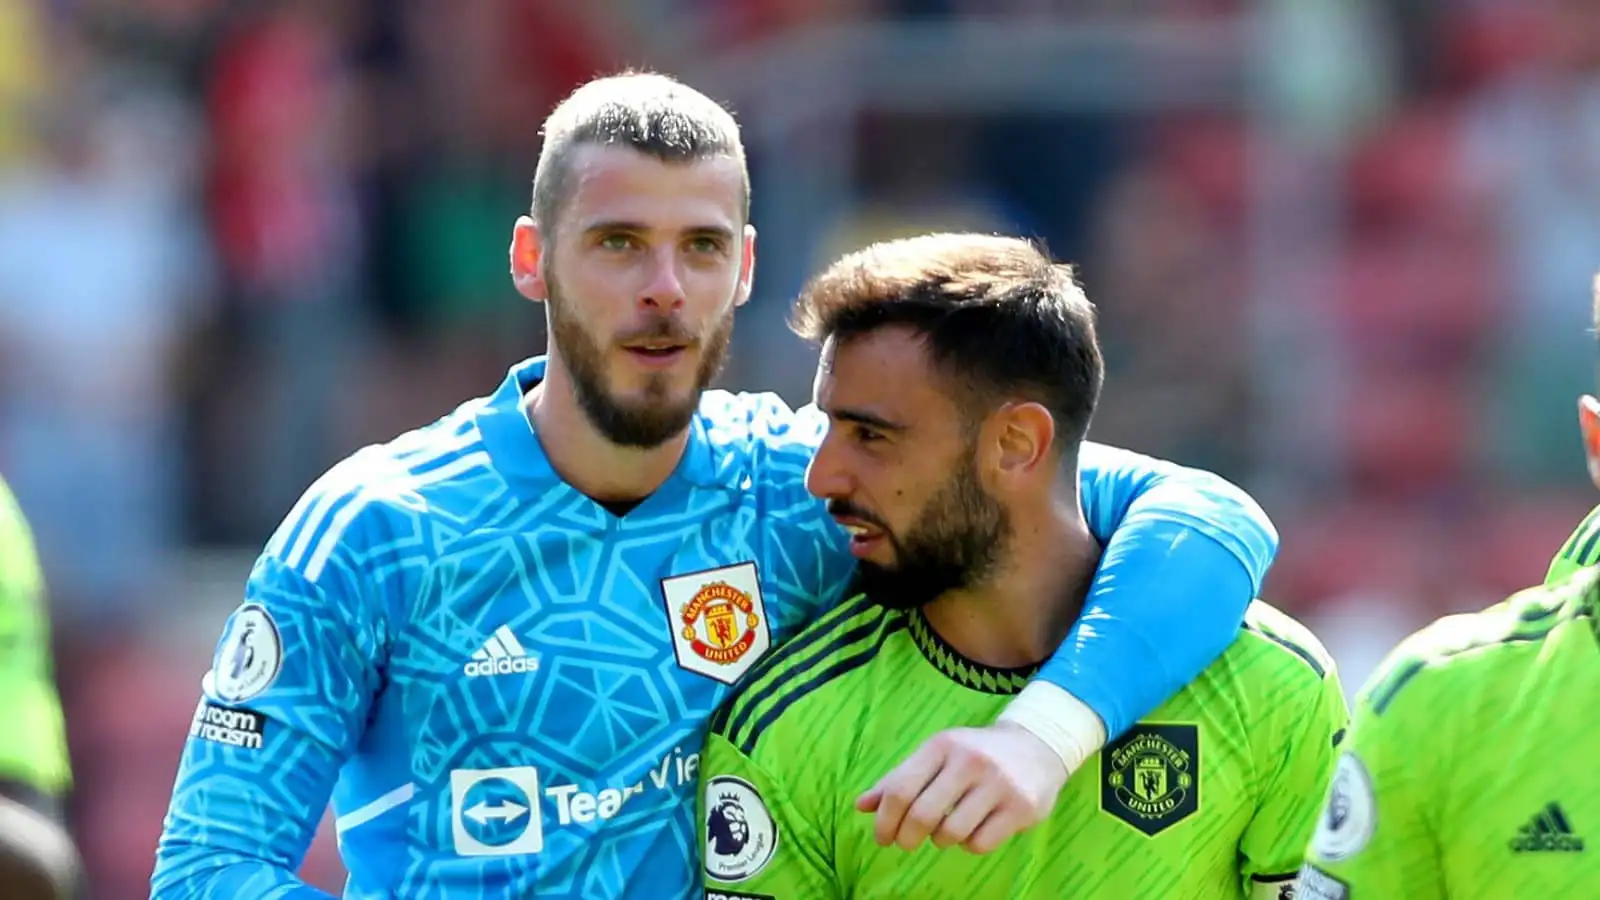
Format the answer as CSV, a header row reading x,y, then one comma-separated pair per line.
x,y
1548,832
501,654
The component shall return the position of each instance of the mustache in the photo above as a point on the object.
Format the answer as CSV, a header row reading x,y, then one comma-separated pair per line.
x,y
660,328
844,509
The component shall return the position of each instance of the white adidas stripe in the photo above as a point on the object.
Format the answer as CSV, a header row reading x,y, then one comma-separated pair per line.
x,y
312,522
341,521
419,448
291,520
501,654
347,514
509,641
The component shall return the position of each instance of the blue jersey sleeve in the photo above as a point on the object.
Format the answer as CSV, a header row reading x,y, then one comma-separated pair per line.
x,y
1185,553
284,704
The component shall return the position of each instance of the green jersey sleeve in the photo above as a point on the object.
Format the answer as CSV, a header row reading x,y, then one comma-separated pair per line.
x,y
1580,550
1376,837
759,839
33,747
1274,843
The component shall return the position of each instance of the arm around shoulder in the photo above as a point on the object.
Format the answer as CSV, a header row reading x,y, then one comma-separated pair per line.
x,y
1185,553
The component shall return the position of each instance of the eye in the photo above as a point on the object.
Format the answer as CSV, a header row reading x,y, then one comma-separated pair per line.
x,y
705,244
867,435
617,242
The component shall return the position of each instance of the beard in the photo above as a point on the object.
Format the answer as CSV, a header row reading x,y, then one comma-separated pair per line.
x,y
954,543
656,417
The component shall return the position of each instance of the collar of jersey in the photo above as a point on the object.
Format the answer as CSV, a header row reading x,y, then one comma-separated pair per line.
x,y
966,672
509,437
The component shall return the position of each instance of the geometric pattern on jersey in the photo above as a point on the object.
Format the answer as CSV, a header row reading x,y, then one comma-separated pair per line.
x,y
1479,757
1215,794
481,666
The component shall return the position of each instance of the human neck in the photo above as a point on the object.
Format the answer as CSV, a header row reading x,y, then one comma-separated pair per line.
x,y
1020,616
586,459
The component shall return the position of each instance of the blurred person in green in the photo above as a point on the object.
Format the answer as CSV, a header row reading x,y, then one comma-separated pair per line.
x,y
37,858
1466,773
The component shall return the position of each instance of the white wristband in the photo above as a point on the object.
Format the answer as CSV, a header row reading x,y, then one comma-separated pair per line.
x,y
1063,722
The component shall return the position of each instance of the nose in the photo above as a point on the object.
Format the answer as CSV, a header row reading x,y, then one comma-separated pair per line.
x,y
827,477
664,289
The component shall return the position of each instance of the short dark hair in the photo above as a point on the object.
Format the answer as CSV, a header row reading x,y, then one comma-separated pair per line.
x,y
653,114
999,318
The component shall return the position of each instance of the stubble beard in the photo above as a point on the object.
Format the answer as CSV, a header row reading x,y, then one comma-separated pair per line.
x,y
656,417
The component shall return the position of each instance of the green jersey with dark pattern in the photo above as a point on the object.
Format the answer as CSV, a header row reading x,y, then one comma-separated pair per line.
x,y
1213,795
1469,770
33,748
1580,551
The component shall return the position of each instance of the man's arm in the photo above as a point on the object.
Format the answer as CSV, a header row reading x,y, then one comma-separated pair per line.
x,y
1381,776
1186,552
758,839
1309,716
285,701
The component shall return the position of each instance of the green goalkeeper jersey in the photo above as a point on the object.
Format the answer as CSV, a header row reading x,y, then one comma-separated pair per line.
x,y
1469,771
1580,551
32,738
1213,795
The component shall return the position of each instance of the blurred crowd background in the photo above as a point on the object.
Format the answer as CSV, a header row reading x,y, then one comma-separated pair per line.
x,y
1341,250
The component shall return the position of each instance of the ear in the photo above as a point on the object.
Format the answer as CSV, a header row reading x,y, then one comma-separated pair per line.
x,y
747,266
1589,426
527,252
1018,438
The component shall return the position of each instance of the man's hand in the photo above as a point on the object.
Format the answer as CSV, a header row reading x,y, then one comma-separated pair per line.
x,y
970,786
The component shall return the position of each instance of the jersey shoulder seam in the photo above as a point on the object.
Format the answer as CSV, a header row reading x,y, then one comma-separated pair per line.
x,y
379,479
844,640
1294,639
1583,548
1482,636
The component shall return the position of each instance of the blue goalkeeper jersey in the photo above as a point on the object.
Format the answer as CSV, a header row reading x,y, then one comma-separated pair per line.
x,y
503,688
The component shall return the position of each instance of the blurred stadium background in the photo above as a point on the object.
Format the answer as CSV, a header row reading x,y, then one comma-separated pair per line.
x,y
1341,249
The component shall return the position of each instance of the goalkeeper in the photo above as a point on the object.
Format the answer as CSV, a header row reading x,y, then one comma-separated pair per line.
x,y
959,374
36,855
1467,773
